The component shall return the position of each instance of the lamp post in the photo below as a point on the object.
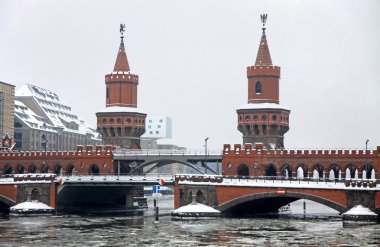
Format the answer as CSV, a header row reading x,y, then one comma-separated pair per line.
x,y
206,154
366,160
44,143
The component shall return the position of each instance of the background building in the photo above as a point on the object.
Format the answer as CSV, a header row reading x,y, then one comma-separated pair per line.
x,y
158,127
7,94
41,116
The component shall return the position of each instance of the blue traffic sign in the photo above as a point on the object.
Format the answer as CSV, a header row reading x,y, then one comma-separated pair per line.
x,y
156,189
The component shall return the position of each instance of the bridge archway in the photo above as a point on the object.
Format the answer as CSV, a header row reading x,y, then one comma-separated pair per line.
x,y
6,203
32,168
302,171
334,172
94,170
243,170
270,171
270,202
71,170
286,171
351,171
19,169
317,171
7,170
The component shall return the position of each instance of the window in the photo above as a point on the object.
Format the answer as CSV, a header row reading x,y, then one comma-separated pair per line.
x,y
157,132
128,120
158,126
247,118
149,126
119,120
255,117
258,87
150,120
161,120
151,132
112,120
264,117
104,120
274,117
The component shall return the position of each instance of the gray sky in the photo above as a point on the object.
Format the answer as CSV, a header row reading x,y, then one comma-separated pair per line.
x,y
191,57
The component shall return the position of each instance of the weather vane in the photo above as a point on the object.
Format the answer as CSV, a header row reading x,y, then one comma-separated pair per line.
x,y
122,30
264,20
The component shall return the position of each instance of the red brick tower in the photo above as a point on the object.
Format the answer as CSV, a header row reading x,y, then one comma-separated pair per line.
x,y
263,119
121,123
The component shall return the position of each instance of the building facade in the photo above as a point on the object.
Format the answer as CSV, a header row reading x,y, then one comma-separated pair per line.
x,y
121,123
41,118
158,127
263,119
7,97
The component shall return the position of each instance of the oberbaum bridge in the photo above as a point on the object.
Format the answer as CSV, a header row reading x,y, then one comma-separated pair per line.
x,y
259,176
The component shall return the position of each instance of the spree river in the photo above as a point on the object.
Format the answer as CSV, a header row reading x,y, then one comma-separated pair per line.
x,y
320,227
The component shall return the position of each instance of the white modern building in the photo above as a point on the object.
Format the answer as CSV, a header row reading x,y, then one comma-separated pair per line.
x,y
40,117
158,127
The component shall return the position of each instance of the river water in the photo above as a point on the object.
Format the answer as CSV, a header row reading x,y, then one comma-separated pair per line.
x,y
320,227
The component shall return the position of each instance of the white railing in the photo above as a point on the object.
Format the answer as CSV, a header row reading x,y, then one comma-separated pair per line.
x,y
166,152
121,178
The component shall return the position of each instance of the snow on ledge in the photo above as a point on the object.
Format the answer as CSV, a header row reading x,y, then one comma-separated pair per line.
x,y
262,106
31,205
359,210
196,208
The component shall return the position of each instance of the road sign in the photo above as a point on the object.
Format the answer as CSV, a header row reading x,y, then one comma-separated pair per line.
x,y
161,182
156,191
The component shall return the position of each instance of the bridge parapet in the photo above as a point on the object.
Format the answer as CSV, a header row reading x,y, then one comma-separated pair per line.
x,y
200,178
248,149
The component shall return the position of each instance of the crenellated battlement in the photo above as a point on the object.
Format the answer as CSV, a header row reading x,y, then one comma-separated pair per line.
x,y
255,71
121,76
80,151
260,149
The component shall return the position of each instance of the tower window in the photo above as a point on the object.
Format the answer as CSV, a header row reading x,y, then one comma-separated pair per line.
x,y
255,117
104,120
119,120
258,87
112,120
264,117
274,117
247,118
128,120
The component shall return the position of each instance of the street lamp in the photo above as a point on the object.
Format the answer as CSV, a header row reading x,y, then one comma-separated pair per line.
x,y
44,143
206,154
366,160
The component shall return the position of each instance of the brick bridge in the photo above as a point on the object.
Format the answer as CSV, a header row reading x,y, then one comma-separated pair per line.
x,y
255,179
236,196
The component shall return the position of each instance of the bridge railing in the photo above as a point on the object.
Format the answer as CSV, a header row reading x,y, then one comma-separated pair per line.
x,y
115,177
166,152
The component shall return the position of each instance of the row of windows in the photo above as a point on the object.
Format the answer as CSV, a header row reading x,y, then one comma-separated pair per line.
x,y
151,132
263,117
150,120
150,126
128,120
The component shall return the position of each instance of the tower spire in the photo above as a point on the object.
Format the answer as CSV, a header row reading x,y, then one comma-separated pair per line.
x,y
263,57
121,63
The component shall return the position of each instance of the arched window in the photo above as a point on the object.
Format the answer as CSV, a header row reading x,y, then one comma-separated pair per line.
x,y
271,171
243,170
94,170
258,87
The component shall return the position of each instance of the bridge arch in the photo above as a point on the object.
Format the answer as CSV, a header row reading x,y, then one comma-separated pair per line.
x,y
302,171
7,169
350,171
32,168
286,171
242,170
71,170
6,203
317,171
44,168
334,171
235,204
161,163
270,170
94,170
20,169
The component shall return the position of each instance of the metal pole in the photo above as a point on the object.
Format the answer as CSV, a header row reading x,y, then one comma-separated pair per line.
x,y
206,154
366,160
304,207
118,168
156,210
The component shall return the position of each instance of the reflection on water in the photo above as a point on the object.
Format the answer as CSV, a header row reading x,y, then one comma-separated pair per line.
x,y
74,230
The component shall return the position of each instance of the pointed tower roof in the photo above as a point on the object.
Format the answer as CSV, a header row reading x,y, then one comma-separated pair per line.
x,y
263,55
121,60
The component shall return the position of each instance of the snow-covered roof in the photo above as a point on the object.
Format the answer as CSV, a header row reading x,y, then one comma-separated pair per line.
x,y
262,106
196,208
122,109
55,114
359,210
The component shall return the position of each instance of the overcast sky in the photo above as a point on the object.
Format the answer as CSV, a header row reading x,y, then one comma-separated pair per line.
x,y
191,57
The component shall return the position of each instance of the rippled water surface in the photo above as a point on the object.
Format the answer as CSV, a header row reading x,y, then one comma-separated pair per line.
x,y
70,230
